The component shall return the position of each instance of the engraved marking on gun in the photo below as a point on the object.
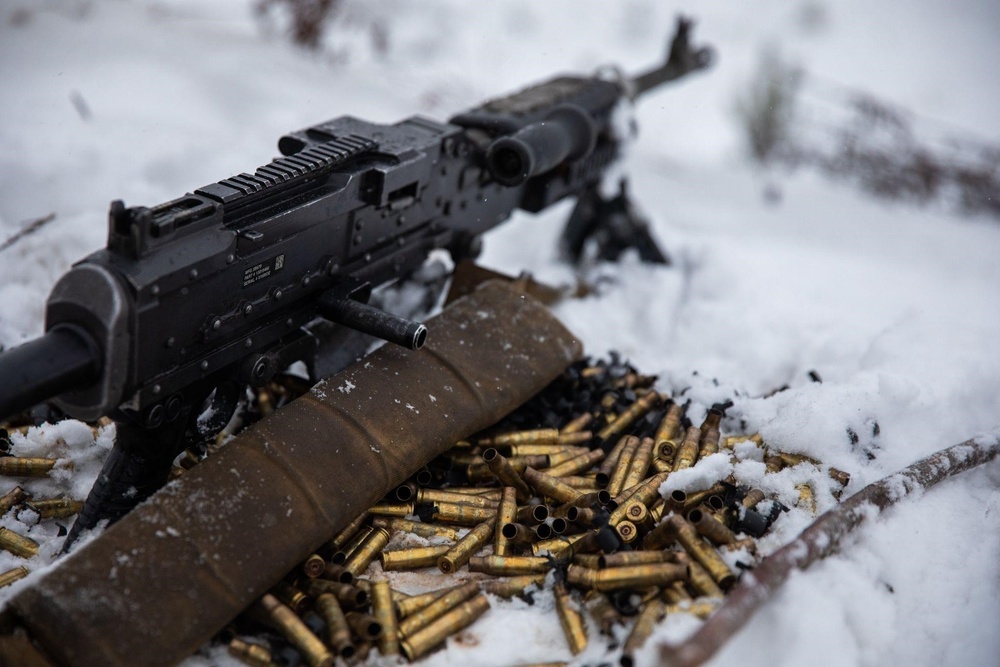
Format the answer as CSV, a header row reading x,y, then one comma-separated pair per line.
x,y
263,270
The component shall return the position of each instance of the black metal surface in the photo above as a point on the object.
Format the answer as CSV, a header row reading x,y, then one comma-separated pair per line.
x,y
30,373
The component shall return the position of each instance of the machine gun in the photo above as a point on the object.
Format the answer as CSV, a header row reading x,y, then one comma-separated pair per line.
x,y
196,298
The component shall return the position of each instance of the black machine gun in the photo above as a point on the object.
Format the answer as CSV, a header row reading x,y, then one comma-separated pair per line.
x,y
201,296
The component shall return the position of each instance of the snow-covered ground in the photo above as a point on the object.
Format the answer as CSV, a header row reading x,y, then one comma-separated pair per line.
x,y
896,308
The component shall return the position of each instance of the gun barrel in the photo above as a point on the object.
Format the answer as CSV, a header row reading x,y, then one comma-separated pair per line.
x,y
567,132
62,360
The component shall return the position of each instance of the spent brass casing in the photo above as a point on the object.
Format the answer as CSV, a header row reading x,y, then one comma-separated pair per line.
x,y
549,486
699,578
393,524
17,544
701,551
385,614
577,464
570,619
313,566
531,515
708,526
662,465
752,498
508,587
670,426
459,555
568,453
585,483
421,642
627,576
676,501
747,543
790,460
291,597
337,573
415,603
676,592
565,546
348,595
773,463
591,498
648,492
413,558
401,510
645,493
588,560
364,626
611,460
839,476
10,576
506,514
438,608
502,470
575,438
616,484
710,434
687,453
340,556
661,537
296,632
629,417
15,466
582,516
463,515
640,464
807,499
577,424
480,472
731,441
475,491
517,533
657,510
342,538
424,495
627,531
541,436
702,608
627,558
501,566
338,633
250,654
667,450
602,611
650,614
548,450
358,561
11,498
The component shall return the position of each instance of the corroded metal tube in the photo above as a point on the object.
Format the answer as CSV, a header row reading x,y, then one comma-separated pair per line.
x,y
459,555
296,490
295,631
420,643
385,614
570,619
338,633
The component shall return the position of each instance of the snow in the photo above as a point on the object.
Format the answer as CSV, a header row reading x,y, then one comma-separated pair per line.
x,y
897,308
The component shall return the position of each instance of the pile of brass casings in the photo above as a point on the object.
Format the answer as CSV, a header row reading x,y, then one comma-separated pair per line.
x,y
18,500
580,500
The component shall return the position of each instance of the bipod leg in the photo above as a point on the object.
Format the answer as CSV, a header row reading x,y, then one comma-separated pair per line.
x,y
140,461
137,467
603,229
